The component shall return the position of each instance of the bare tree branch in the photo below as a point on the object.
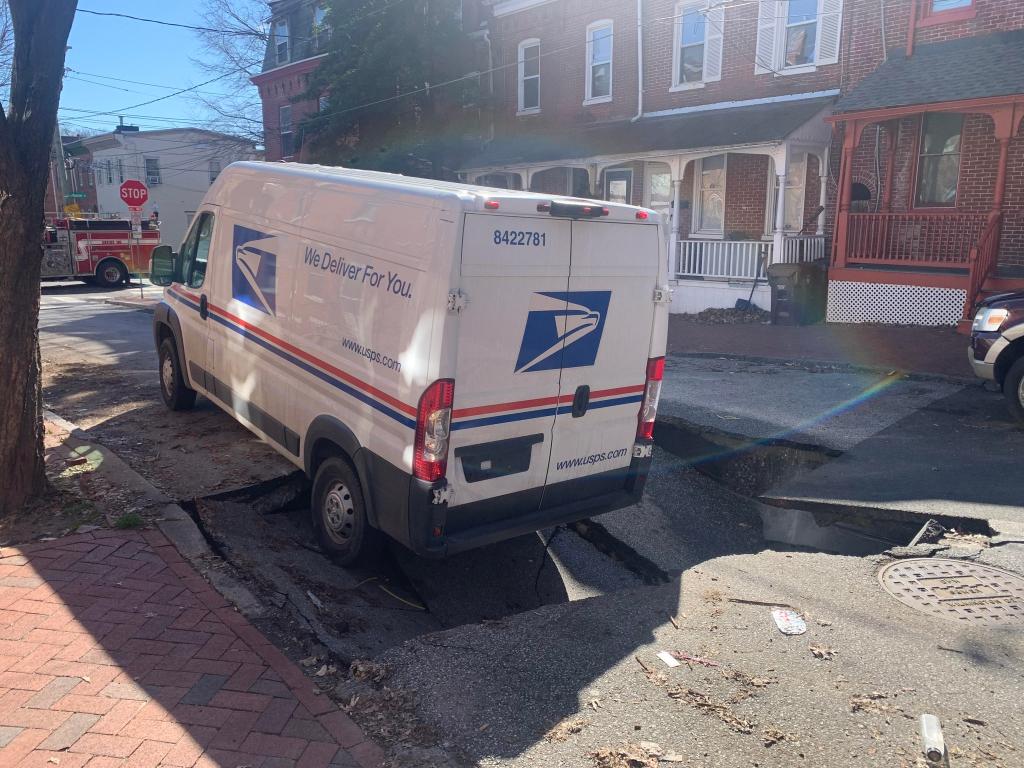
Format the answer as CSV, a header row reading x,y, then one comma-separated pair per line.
x,y
6,53
236,52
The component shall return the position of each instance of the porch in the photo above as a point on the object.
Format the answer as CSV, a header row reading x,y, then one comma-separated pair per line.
x,y
732,210
928,218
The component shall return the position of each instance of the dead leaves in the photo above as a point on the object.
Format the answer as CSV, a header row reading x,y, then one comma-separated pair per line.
x,y
646,754
823,652
706,704
869,702
369,671
568,727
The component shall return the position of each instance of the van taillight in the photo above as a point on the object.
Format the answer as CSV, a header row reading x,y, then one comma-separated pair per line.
x,y
433,424
652,393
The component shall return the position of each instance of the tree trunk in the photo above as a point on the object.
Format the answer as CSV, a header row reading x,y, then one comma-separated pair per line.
x,y
21,423
41,30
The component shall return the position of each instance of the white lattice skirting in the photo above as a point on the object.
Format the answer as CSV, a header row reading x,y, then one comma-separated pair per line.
x,y
850,302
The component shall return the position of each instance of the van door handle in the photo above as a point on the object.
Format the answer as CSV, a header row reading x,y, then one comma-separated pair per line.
x,y
580,401
204,307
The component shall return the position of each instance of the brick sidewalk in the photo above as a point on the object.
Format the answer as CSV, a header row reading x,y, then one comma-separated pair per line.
x,y
115,652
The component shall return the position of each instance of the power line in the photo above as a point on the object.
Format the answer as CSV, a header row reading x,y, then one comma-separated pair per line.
x,y
162,23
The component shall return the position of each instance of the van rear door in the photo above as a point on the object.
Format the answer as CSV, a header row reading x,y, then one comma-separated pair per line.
x,y
613,276
514,275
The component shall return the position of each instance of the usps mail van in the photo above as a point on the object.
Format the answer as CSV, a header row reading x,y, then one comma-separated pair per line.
x,y
450,365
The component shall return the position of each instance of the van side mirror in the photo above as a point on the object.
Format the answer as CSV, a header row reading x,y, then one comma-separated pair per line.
x,y
165,266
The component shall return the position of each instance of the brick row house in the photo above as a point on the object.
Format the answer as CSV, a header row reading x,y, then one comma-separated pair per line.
x,y
878,135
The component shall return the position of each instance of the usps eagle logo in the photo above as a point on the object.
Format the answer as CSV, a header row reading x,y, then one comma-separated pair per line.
x,y
254,269
563,330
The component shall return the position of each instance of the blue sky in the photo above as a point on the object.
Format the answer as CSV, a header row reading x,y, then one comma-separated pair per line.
x,y
104,47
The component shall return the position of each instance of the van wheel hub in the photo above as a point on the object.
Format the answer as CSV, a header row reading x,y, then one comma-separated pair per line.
x,y
111,274
339,512
167,374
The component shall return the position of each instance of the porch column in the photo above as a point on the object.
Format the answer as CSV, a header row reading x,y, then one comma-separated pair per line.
x,y
850,136
823,161
1000,192
778,236
673,240
890,164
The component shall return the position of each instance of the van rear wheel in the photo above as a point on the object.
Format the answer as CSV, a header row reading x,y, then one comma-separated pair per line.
x,y
339,515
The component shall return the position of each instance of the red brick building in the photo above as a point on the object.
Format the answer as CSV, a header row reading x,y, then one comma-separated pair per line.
x,y
930,210
701,110
298,42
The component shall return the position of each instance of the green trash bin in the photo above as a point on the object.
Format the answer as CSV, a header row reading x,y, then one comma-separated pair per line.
x,y
799,292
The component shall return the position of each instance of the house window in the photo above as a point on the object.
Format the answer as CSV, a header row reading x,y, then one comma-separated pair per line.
x,y
938,6
500,180
709,213
214,170
660,189
599,62
321,104
690,67
574,182
321,29
120,170
110,172
801,32
938,165
152,171
284,115
529,76
796,36
280,34
618,186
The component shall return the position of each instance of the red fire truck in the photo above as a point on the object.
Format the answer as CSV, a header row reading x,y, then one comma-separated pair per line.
x,y
95,250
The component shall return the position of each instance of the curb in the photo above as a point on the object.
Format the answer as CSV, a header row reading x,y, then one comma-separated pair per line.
x,y
837,364
180,530
147,308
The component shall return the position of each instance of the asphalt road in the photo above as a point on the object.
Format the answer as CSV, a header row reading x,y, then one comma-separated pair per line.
x,y
100,372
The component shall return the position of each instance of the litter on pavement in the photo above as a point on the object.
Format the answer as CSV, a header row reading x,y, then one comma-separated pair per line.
x,y
932,743
789,622
666,657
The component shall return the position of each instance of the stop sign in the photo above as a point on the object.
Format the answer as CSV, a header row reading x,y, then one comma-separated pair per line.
x,y
134,193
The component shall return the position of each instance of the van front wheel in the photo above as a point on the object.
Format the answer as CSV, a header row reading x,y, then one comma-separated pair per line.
x,y
339,515
1013,388
177,395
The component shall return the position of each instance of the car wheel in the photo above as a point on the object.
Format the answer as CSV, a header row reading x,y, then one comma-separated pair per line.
x,y
1013,389
111,274
339,515
177,395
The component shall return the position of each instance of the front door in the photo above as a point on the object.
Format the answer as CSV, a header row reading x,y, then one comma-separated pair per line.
x,y
191,300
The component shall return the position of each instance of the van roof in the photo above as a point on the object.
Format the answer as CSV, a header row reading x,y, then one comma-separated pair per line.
x,y
470,195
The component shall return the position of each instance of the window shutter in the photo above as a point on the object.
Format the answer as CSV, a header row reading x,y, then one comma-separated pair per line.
x,y
830,13
713,33
767,36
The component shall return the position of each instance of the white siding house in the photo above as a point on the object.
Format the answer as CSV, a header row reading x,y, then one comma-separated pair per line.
x,y
178,165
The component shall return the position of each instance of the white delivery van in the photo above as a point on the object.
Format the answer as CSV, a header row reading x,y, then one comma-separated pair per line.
x,y
450,365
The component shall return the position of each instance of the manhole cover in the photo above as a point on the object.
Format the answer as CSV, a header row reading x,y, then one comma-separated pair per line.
x,y
954,589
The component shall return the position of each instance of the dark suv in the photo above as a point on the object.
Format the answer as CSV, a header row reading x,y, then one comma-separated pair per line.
x,y
997,346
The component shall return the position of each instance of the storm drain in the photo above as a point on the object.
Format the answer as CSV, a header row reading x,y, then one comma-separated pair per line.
x,y
955,589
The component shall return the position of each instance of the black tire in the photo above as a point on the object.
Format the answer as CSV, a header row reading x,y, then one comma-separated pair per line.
x,y
177,395
1013,389
339,515
111,273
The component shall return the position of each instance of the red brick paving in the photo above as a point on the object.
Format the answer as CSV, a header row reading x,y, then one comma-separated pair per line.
x,y
115,653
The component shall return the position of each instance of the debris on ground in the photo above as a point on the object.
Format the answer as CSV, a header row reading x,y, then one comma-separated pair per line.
x,y
933,745
668,658
789,622
706,704
954,538
772,736
869,702
628,756
568,727
655,676
823,652
687,658
729,316
369,671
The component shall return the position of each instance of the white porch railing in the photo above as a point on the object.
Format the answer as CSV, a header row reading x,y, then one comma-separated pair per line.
x,y
742,259
800,248
723,259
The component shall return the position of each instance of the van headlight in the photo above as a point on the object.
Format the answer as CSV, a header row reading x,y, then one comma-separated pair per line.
x,y
989,319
